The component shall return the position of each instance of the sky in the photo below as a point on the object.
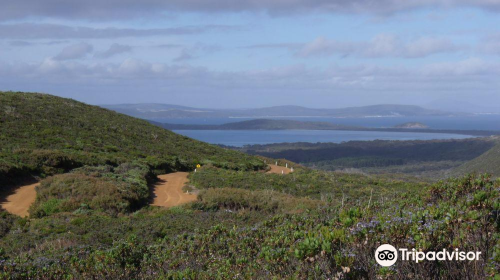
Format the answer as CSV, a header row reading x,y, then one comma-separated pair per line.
x,y
441,54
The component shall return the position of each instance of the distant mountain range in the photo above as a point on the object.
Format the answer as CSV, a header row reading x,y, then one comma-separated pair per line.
x,y
268,124
168,111
261,124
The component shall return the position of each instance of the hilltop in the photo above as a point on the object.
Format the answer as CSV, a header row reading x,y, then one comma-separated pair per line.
x,y
41,134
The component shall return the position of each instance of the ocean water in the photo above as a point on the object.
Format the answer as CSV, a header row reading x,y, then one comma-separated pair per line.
x,y
240,138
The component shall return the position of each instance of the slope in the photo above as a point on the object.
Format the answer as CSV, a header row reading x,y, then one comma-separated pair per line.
x,y
42,134
488,162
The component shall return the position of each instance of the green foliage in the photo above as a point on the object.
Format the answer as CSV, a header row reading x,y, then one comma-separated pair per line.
x,y
304,182
428,158
46,135
104,188
267,201
6,222
488,162
332,241
91,223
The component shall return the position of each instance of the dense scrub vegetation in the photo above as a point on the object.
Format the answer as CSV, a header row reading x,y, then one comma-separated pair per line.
x,y
92,222
43,135
434,158
305,182
105,188
262,200
330,241
488,162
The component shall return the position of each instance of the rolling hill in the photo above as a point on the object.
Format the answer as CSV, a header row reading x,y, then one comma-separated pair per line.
x,y
488,162
42,134
94,221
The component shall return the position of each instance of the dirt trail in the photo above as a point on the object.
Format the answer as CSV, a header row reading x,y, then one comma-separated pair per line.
x,y
20,201
279,169
167,192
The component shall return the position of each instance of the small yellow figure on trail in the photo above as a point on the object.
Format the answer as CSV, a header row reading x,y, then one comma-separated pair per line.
x,y
198,166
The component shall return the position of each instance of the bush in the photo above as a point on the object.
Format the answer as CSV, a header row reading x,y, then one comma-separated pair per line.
x,y
267,201
104,188
305,182
333,241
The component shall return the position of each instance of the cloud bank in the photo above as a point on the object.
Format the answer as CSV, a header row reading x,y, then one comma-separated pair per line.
x,y
59,31
383,45
123,9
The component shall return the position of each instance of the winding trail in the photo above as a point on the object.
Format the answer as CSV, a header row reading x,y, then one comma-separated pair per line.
x,y
279,169
20,200
167,192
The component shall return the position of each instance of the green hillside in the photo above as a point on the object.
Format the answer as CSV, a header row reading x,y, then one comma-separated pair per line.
x,y
42,135
93,221
489,162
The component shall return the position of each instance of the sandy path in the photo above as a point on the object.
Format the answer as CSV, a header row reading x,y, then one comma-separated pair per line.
x,y
278,169
20,201
167,192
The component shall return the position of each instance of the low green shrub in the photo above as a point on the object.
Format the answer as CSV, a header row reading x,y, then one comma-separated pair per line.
x,y
333,241
109,189
264,200
306,182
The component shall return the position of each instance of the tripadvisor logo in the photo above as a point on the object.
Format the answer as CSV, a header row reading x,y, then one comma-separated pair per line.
x,y
387,255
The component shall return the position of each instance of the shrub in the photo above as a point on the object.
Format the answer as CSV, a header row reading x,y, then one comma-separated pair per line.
x,y
97,188
268,201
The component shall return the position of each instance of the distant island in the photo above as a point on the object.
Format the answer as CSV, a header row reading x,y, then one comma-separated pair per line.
x,y
262,124
412,125
167,111
269,124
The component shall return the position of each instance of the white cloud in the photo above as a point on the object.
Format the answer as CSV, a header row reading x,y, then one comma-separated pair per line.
x,y
74,51
490,44
279,85
113,50
294,77
125,9
468,67
383,45
57,31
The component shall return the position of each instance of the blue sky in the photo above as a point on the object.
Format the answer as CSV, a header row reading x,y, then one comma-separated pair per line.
x,y
253,53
